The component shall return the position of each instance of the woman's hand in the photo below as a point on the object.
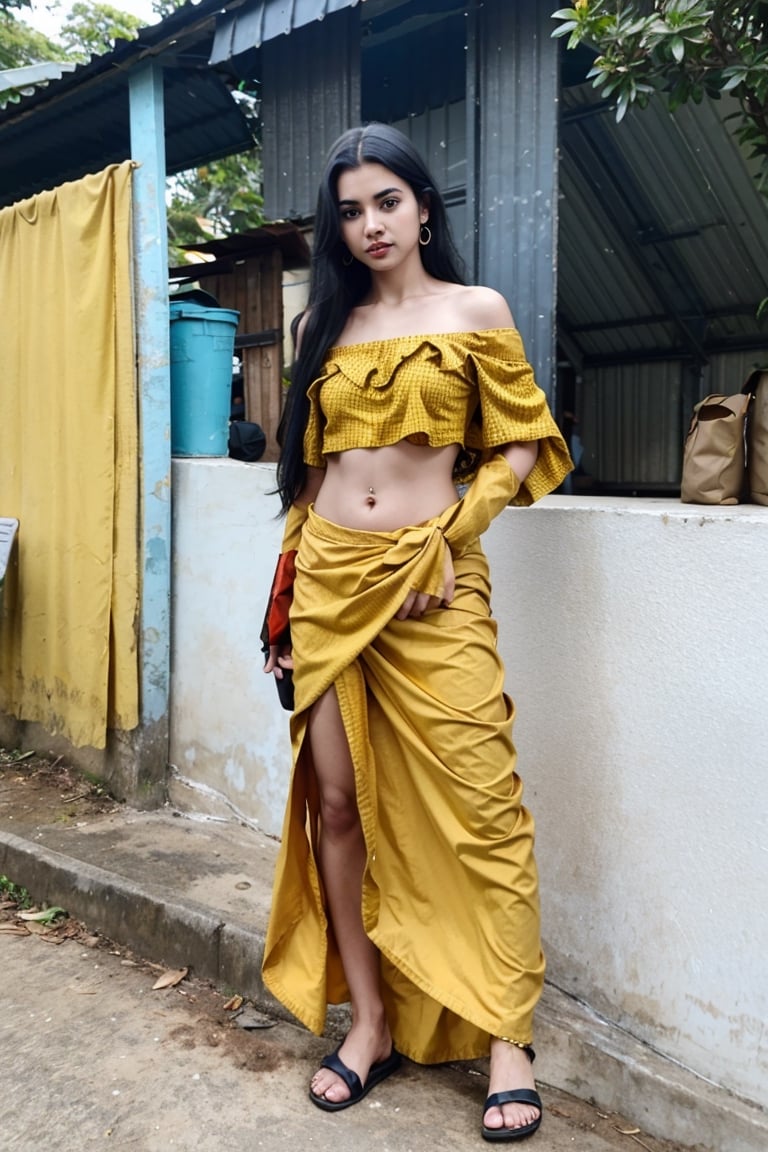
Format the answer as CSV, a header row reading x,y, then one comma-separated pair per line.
x,y
279,658
417,603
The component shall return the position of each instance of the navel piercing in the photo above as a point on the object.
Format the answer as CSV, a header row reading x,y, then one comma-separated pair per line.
x,y
371,498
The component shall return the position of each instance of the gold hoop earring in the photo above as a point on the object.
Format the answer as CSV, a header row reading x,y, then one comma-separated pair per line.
x,y
348,260
422,239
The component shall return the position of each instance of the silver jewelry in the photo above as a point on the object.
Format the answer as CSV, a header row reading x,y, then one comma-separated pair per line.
x,y
348,260
425,235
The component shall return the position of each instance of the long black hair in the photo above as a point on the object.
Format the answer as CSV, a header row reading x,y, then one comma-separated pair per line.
x,y
335,289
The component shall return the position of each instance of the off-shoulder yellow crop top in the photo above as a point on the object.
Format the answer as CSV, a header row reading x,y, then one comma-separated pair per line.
x,y
475,389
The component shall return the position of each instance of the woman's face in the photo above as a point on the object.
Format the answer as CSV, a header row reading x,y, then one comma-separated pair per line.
x,y
379,216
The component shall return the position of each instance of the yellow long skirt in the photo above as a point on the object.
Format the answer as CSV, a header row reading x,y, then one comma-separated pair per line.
x,y
450,893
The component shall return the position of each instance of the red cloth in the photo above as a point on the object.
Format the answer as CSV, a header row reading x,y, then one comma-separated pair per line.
x,y
276,627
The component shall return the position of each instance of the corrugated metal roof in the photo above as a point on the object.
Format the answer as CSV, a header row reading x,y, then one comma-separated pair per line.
x,y
311,93
663,233
79,122
250,26
663,236
33,74
281,234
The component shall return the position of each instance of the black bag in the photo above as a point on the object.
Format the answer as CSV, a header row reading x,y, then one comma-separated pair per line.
x,y
285,691
247,441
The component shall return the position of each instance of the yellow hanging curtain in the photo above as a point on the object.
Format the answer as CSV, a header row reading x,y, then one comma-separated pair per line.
x,y
69,458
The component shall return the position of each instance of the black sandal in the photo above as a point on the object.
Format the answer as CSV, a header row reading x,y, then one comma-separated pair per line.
x,y
357,1091
514,1096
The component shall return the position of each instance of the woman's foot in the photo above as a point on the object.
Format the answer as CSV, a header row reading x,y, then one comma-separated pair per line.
x,y
510,1069
362,1048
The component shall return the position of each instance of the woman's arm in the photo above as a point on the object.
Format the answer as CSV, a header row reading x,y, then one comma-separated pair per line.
x,y
489,309
521,456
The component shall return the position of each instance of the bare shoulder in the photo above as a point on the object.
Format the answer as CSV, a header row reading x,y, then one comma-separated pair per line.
x,y
484,308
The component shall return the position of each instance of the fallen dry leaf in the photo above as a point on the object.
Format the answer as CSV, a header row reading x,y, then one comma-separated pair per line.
x,y
14,930
628,1131
233,1004
642,1143
170,978
58,933
37,929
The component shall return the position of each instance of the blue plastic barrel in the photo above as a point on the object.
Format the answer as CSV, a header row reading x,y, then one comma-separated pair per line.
x,y
202,346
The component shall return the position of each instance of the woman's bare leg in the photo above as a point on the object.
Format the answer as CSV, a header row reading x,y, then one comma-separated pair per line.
x,y
342,860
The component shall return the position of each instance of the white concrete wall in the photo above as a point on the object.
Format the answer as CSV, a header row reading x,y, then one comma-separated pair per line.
x,y
229,738
635,635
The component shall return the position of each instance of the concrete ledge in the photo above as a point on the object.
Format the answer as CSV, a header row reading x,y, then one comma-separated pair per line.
x,y
594,1060
578,1052
150,922
239,967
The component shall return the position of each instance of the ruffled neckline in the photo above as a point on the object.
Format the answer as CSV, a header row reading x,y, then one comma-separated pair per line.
x,y
424,337
376,363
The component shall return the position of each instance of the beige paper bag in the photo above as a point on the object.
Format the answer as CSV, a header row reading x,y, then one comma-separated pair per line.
x,y
714,460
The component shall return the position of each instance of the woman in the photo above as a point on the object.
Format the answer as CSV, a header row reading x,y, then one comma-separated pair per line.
x,y
406,883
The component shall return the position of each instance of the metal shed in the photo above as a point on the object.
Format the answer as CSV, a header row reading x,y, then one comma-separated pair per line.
x,y
631,254
648,238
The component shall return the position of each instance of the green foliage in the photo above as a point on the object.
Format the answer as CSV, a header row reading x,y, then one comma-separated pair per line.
x,y
91,29
163,8
7,5
215,199
11,891
19,896
20,45
683,49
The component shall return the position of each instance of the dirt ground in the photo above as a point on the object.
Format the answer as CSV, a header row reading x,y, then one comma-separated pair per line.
x,y
208,1022
36,791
